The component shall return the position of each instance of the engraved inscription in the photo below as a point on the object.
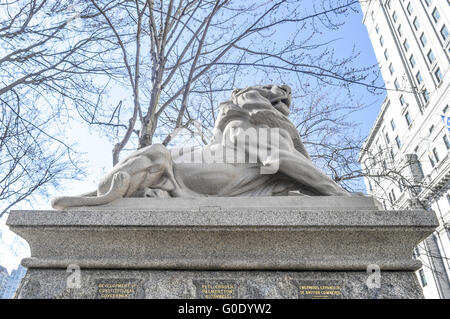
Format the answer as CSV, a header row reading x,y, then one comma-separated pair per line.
x,y
117,288
319,289
216,289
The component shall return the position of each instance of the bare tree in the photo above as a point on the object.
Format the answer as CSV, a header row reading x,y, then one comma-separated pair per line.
x,y
139,70
172,57
331,138
29,160
37,50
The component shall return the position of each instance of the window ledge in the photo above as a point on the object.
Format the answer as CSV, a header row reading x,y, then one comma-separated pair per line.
x,y
433,66
447,42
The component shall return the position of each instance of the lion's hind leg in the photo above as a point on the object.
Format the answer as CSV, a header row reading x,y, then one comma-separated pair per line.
x,y
119,187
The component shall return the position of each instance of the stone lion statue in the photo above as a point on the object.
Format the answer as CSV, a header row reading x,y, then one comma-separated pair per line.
x,y
255,151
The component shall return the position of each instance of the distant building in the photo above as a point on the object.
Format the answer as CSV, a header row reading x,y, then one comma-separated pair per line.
x,y
4,277
10,283
406,154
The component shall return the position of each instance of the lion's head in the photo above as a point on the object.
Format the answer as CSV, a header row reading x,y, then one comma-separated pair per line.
x,y
259,106
278,96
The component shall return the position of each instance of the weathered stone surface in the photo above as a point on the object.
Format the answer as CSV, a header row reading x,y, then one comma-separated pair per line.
x,y
165,249
267,202
214,237
159,284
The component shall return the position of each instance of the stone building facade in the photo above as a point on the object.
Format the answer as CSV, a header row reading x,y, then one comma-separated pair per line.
x,y
407,153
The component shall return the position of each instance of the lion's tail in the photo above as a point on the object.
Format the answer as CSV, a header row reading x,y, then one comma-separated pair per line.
x,y
118,189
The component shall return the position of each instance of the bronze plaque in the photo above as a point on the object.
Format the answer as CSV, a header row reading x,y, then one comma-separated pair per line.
x,y
319,289
119,288
216,288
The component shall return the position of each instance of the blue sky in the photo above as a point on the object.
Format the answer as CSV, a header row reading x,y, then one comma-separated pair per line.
x,y
354,34
97,149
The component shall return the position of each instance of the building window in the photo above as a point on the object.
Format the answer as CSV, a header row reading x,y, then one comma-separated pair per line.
x,y
423,281
393,124
412,61
428,2
386,55
402,100
392,153
394,16
431,57
408,119
377,28
419,77
381,41
406,45
397,141
391,69
387,138
445,109
399,30
426,95
423,39
393,195
409,8
419,165
438,75
444,33
448,199
446,141
431,161
416,24
431,129
436,15
436,157
397,85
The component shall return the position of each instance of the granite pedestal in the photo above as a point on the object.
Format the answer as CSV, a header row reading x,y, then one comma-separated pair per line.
x,y
259,247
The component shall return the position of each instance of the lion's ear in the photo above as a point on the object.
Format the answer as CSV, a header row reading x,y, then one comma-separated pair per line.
x,y
233,95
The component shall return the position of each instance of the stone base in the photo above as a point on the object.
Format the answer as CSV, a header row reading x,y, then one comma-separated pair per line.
x,y
268,247
168,284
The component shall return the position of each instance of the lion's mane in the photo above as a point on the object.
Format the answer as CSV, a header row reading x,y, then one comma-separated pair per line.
x,y
259,117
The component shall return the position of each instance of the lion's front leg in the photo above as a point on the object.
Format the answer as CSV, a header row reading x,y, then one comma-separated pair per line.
x,y
301,169
120,184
